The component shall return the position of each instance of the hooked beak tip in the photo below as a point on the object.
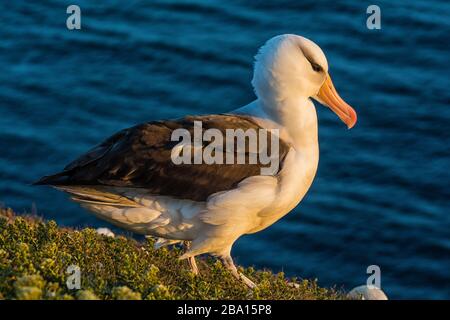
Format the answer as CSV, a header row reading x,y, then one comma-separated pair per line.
x,y
353,118
329,96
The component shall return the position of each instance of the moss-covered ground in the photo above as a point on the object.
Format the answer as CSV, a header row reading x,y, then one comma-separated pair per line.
x,y
35,256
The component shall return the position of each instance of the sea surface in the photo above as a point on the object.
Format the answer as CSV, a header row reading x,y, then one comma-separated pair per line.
x,y
381,194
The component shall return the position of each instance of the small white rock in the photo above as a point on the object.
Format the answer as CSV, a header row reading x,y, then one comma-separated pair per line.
x,y
365,292
105,232
293,285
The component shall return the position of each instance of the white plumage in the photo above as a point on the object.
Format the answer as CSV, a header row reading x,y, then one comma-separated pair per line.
x,y
289,70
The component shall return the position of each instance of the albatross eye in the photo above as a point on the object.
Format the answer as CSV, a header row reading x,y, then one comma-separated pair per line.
x,y
316,67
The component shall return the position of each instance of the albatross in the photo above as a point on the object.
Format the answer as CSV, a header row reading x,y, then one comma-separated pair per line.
x,y
131,181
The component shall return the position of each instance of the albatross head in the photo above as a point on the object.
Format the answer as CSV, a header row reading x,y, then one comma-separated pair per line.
x,y
289,67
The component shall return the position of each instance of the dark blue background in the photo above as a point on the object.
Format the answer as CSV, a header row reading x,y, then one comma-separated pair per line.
x,y
381,195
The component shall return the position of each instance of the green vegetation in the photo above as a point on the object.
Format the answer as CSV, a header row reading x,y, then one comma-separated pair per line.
x,y
34,256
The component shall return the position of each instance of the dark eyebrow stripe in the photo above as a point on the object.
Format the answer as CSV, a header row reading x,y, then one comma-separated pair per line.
x,y
310,60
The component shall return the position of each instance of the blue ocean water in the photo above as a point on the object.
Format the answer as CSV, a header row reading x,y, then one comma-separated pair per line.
x,y
381,195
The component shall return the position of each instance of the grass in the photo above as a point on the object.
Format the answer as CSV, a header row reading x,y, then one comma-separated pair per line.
x,y
35,255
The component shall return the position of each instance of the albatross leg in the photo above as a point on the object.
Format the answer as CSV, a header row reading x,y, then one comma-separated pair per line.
x,y
229,264
191,260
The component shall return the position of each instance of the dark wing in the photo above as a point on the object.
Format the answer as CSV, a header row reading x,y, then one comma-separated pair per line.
x,y
140,157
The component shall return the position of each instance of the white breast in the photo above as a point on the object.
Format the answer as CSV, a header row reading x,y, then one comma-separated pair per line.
x,y
300,165
255,204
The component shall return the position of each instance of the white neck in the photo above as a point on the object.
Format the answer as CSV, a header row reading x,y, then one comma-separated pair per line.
x,y
297,121
298,117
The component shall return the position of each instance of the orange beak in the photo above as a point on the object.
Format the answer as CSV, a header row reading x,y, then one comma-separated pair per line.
x,y
328,96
